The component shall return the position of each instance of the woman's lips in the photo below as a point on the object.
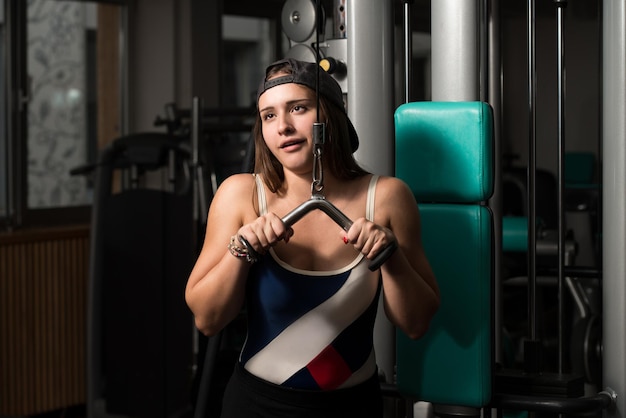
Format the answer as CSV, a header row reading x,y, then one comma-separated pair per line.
x,y
293,143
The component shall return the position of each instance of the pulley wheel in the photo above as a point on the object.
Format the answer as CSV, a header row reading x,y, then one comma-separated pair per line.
x,y
301,52
298,19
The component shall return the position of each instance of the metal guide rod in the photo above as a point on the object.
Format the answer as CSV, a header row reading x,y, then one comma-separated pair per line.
x,y
196,111
561,4
200,198
319,25
210,354
494,97
408,51
532,238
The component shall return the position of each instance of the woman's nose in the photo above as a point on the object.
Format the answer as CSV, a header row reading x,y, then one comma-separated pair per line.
x,y
285,125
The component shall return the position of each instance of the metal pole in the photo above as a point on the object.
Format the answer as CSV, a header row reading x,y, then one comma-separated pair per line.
x,y
614,200
370,104
408,51
370,63
494,98
561,4
196,123
455,50
531,349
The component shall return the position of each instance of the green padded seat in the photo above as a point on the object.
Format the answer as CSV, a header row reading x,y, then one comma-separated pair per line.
x,y
444,152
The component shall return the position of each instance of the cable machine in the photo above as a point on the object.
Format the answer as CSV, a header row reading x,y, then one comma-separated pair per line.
x,y
357,59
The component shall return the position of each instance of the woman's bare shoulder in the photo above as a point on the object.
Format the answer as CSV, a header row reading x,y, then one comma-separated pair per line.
x,y
236,184
235,192
233,199
392,186
394,199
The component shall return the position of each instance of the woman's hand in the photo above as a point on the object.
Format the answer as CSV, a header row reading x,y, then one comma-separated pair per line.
x,y
369,238
264,232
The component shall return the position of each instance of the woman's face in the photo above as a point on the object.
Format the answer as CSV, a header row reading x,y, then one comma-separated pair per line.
x,y
287,113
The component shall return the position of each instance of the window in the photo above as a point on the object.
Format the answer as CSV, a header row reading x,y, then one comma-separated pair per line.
x,y
58,72
51,90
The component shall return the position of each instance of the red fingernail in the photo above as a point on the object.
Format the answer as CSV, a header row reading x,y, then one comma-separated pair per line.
x,y
345,240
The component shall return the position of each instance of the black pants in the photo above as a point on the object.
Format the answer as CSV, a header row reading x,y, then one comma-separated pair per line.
x,y
247,396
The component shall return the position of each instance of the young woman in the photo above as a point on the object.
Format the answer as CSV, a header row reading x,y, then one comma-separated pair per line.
x,y
310,298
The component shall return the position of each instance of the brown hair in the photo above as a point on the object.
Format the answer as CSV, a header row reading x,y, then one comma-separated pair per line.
x,y
336,153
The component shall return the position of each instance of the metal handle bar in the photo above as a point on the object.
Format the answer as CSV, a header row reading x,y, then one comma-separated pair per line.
x,y
317,202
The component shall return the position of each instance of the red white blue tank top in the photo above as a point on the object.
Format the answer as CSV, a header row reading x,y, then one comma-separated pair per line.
x,y
311,329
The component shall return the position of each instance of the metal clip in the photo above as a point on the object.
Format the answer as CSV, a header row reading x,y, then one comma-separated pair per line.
x,y
317,186
319,133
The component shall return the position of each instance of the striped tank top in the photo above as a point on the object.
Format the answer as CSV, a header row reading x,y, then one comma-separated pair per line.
x,y
311,329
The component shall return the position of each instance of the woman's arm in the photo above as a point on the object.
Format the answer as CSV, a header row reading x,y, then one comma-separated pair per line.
x,y
216,286
410,291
